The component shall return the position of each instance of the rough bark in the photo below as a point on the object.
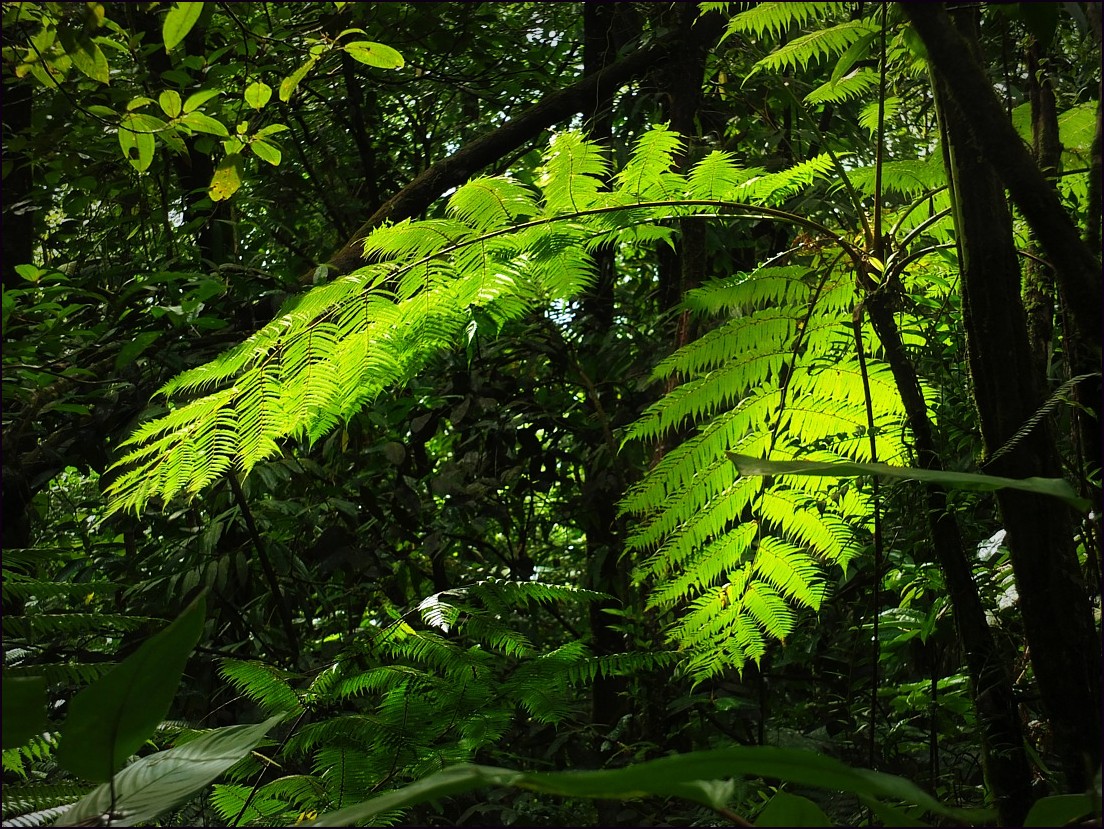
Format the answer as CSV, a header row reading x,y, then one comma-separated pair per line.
x,y
1076,264
1039,286
1003,758
1064,647
453,171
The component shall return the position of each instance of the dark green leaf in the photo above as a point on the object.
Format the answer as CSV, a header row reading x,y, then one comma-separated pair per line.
x,y
1054,487
683,775
134,349
24,709
785,809
110,719
1059,810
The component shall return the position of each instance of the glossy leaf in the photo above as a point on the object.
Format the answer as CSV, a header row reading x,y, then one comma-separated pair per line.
x,y
109,720
178,22
154,784
374,54
204,123
198,99
1054,487
267,152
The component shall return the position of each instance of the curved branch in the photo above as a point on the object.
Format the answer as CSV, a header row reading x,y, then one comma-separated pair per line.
x,y
461,165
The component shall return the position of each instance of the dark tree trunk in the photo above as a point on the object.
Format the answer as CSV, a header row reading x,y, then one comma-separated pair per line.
x,y
1003,758
1064,647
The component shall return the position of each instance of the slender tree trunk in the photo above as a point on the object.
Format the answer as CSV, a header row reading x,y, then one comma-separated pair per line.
x,y
1003,758
1064,647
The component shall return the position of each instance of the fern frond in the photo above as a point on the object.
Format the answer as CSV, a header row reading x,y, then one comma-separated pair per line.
x,y
868,116
816,46
264,684
853,85
776,18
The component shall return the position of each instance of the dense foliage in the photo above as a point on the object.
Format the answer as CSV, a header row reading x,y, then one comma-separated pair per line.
x,y
409,406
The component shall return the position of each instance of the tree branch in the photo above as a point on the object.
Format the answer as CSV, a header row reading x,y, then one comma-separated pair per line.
x,y
461,165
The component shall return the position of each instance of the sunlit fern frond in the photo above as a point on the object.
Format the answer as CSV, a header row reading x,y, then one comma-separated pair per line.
x,y
775,19
735,558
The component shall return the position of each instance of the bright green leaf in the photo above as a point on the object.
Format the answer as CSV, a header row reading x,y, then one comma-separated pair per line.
x,y
227,178
85,54
153,785
136,141
170,103
32,273
109,720
24,709
198,99
204,123
288,85
1054,487
267,152
178,22
271,129
257,94
374,54
138,102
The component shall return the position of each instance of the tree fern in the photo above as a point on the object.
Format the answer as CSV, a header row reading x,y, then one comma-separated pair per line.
x,y
738,555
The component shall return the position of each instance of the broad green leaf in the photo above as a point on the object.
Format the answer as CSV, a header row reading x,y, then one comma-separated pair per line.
x,y
1054,487
136,141
138,102
374,54
134,349
178,22
682,775
156,783
227,178
32,273
198,99
204,123
271,129
170,102
24,709
109,720
1059,810
288,84
785,809
85,54
257,94
267,152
